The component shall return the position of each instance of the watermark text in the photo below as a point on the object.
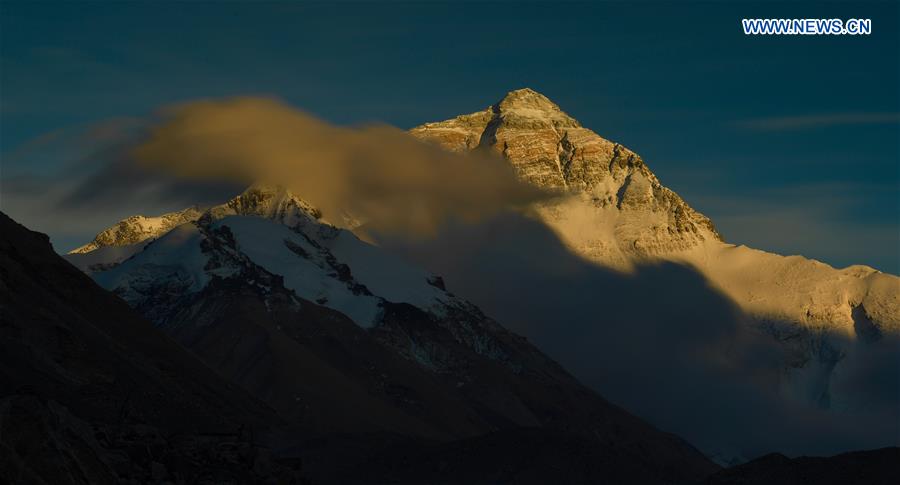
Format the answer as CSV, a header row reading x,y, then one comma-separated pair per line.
x,y
807,26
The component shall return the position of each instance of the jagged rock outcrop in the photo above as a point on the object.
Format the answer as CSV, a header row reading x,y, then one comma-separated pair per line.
x,y
550,149
273,203
136,229
129,236
620,215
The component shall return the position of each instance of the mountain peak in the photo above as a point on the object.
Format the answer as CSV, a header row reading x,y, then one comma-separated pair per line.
x,y
270,201
138,228
526,98
527,106
549,149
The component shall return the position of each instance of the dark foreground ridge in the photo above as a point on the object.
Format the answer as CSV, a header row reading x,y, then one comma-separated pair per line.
x,y
90,392
873,467
93,392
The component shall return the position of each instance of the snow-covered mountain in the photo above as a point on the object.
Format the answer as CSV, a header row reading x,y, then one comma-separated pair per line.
x,y
125,238
618,214
339,336
269,252
314,256
282,234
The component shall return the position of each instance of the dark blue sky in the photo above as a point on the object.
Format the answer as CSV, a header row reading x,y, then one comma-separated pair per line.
x,y
789,144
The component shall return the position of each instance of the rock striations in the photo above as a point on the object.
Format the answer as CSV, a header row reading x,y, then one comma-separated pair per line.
x,y
550,149
619,215
136,229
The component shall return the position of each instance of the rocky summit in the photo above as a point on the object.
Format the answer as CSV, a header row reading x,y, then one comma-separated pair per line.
x,y
620,216
138,228
550,149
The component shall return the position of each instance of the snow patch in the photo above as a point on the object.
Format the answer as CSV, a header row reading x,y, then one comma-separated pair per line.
x,y
267,244
177,253
385,274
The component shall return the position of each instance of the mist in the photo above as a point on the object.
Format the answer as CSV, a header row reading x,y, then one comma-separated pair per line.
x,y
662,343
378,174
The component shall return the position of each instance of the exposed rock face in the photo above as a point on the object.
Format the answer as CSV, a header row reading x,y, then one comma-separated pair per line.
x,y
270,202
136,229
619,215
550,149
129,236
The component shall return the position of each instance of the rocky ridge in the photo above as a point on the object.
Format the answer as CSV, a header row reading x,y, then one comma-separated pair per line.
x,y
620,214
550,149
136,229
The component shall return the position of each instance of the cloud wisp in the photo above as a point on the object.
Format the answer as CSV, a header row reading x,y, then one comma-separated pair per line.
x,y
807,122
663,343
379,174
836,223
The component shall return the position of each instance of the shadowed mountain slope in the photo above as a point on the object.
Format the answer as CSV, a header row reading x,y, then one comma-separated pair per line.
x,y
93,393
832,334
873,467
342,338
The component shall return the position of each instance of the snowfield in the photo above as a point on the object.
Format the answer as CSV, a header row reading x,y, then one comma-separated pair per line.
x,y
277,232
